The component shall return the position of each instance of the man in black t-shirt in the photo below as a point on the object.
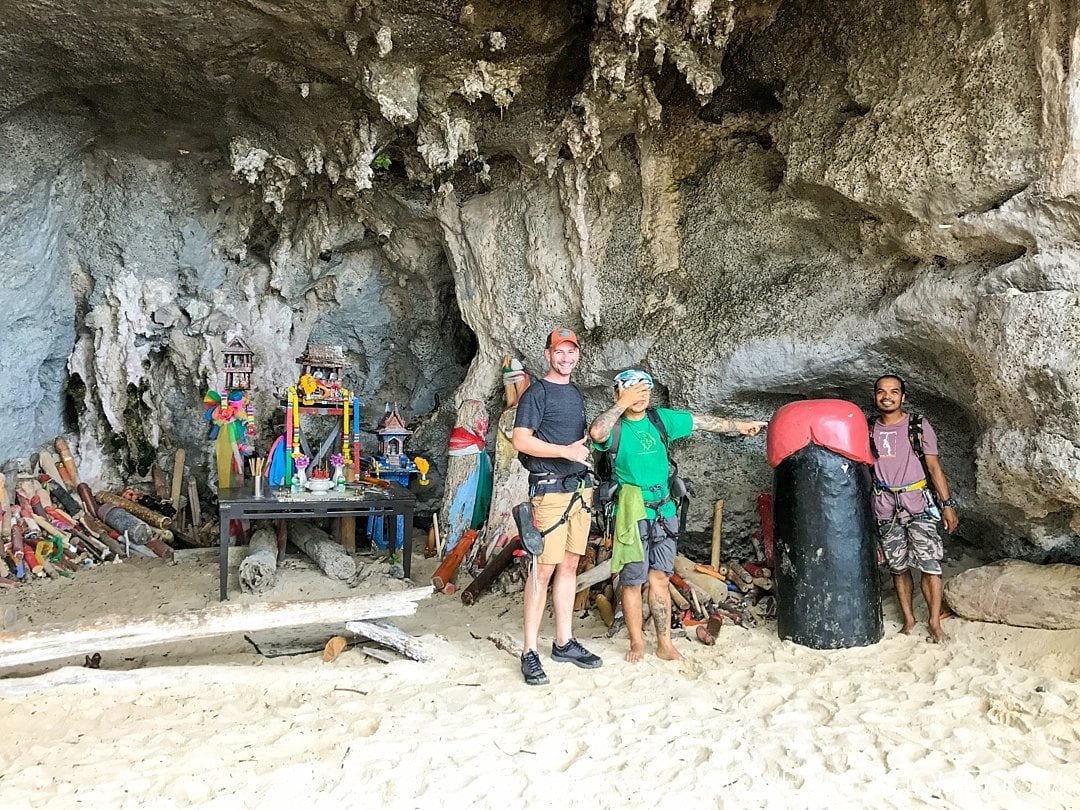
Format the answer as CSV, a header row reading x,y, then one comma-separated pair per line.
x,y
549,435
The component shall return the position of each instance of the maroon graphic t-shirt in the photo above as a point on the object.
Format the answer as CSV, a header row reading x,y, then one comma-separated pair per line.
x,y
897,465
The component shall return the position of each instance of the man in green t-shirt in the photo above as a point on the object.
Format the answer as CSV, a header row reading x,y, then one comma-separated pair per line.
x,y
642,463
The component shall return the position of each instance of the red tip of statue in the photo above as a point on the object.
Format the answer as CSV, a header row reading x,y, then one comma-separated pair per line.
x,y
833,423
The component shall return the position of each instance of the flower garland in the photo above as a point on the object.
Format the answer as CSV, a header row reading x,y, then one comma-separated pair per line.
x,y
232,425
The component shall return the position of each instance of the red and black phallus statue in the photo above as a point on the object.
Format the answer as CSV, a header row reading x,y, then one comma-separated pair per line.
x,y
826,584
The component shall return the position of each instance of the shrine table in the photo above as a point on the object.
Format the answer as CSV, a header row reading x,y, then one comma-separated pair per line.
x,y
393,500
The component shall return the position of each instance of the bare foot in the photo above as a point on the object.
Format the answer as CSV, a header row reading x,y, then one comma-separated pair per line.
x,y
668,652
637,652
937,635
704,636
908,627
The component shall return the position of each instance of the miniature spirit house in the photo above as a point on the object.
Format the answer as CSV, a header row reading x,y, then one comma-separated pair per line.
x,y
239,362
322,370
392,433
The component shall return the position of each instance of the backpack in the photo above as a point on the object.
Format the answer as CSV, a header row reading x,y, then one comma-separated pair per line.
x,y
915,439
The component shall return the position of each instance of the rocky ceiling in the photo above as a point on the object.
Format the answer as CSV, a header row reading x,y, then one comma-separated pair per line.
x,y
755,200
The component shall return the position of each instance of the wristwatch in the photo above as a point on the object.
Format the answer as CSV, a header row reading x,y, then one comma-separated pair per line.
x,y
949,502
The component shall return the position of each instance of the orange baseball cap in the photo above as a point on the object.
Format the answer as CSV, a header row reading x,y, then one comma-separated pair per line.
x,y
558,336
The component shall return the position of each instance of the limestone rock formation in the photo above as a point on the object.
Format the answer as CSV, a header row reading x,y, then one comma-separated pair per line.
x,y
754,200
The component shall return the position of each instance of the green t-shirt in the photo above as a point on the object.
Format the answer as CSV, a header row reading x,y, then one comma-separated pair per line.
x,y
642,460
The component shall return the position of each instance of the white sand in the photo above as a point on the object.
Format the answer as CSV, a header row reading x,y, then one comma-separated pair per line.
x,y
990,720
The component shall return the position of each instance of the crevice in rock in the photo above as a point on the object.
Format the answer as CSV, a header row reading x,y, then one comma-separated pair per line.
x,y
997,202
848,110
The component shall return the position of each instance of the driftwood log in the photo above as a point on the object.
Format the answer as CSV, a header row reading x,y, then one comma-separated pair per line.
x,y
392,637
334,561
258,570
127,632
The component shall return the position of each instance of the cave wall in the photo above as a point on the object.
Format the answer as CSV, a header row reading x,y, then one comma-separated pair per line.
x,y
757,201
38,197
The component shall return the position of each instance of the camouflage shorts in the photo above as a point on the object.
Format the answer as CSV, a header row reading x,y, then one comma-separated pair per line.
x,y
911,542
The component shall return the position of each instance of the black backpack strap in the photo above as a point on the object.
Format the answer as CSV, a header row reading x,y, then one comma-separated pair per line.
x,y
871,421
613,448
915,437
658,423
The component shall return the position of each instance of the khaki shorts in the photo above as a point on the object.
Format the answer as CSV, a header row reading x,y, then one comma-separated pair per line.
x,y
573,535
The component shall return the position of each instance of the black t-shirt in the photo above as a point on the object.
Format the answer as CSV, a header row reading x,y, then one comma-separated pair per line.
x,y
556,414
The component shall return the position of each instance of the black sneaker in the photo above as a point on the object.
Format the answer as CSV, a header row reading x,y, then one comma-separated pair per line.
x,y
574,653
531,669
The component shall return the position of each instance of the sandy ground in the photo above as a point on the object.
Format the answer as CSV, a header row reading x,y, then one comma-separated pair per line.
x,y
989,720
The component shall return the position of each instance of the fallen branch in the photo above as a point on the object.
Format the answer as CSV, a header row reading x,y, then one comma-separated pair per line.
x,y
392,637
126,632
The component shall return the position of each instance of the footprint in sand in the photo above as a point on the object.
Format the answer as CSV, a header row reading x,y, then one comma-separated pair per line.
x,y
574,751
692,669
364,727
1006,710
694,756
904,755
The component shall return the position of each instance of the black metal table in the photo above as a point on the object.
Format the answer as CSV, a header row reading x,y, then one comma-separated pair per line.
x,y
391,501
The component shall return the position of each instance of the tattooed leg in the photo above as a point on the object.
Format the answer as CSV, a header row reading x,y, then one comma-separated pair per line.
x,y
660,603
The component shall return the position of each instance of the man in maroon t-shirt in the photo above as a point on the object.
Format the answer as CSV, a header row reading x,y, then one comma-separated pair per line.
x,y
904,507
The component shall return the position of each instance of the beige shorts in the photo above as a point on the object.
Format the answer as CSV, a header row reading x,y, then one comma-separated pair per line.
x,y
573,535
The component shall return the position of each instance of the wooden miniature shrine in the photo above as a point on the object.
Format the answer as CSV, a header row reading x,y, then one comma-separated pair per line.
x,y
392,434
322,371
238,366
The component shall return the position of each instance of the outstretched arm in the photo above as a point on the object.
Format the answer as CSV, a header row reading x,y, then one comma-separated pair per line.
x,y
728,427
